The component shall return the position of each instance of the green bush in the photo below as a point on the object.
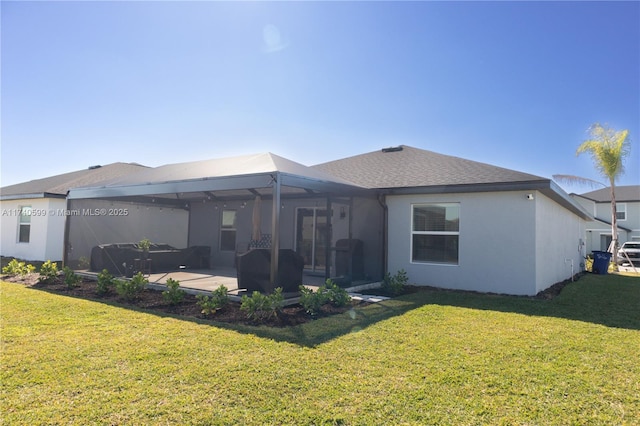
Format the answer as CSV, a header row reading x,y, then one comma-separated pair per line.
x,y
173,294
18,268
210,304
105,282
48,272
260,307
394,285
335,294
71,279
131,289
312,301
84,262
330,292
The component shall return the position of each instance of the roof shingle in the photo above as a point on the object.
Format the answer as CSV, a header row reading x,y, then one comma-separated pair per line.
x,y
407,167
623,193
60,184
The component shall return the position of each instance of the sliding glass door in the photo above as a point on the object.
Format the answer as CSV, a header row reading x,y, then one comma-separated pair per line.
x,y
311,237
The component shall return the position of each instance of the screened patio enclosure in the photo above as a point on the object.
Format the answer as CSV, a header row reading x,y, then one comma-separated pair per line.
x,y
204,214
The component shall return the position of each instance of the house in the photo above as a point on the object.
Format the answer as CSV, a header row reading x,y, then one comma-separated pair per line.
x,y
33,213
598,204
447,221
461,224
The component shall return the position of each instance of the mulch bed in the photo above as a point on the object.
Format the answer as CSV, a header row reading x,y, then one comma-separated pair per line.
x,y
152,300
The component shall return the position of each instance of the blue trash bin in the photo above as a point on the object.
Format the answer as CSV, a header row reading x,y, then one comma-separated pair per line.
x,y
601,261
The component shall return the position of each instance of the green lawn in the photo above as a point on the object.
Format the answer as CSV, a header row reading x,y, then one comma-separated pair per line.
x,y
432,358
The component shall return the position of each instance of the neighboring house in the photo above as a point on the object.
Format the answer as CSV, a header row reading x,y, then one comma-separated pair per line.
x,y
448,222
33,213
598,204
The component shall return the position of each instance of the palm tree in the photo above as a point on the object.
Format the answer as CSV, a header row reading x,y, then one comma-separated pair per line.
x,y
607,148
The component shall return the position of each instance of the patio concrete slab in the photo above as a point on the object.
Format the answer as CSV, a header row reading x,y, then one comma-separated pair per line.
x,y
205,279
368,298
211,279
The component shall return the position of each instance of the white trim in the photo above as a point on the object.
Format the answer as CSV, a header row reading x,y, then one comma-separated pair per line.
x,y
227,229
621,210
412,232
21,223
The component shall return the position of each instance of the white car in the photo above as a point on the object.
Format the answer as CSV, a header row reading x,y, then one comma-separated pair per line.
x,y
630,249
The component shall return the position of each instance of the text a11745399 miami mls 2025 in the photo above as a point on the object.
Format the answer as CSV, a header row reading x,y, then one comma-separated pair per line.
x,y
65,212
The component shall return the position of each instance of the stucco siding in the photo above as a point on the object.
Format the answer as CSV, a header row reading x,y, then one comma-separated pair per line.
x,y
46,233
496,243
560,243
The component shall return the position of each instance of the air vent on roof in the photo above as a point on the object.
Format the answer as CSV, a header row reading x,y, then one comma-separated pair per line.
x,y
94,167
392,149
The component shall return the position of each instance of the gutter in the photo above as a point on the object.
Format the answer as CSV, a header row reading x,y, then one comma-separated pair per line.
x,y
31,196
597,219
545,186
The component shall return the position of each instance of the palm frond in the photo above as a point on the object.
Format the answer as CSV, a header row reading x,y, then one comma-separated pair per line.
x,y
577,180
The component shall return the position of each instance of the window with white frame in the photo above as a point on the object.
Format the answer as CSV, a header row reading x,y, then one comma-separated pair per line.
x,y
24,224
621,211
435,233
228,231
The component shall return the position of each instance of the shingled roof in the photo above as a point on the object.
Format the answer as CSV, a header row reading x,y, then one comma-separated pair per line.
x,y
57,186
627,193
408,167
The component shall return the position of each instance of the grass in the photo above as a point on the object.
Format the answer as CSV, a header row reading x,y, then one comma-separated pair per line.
x,y
435,357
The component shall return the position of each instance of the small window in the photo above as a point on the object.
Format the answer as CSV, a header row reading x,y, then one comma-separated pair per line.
x,y
228,231
621,211
24,224
435,233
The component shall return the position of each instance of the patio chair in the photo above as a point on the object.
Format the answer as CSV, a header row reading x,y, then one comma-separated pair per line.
x,y
254,271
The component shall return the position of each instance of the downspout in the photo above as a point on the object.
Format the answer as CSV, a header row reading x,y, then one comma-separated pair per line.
x,y
382,200
65,242
275,229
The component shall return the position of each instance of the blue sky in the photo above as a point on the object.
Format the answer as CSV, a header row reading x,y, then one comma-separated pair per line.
x,y
514,84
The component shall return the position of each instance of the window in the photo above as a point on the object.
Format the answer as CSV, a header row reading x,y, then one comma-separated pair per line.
x,y
435,232
228,231
24,224
621,211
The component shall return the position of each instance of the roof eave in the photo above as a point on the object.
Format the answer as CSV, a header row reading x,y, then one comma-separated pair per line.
x,y
253,181
31,196
546,186
557,194
473,187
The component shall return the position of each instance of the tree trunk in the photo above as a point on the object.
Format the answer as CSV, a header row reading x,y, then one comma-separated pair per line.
x,y
614,224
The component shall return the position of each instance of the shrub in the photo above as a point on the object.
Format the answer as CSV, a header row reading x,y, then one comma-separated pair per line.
x,y
335,294
394,285
84,262
18,268
213,303
131,289
312,301
71,279
260,307
48,272
105,282
173,294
